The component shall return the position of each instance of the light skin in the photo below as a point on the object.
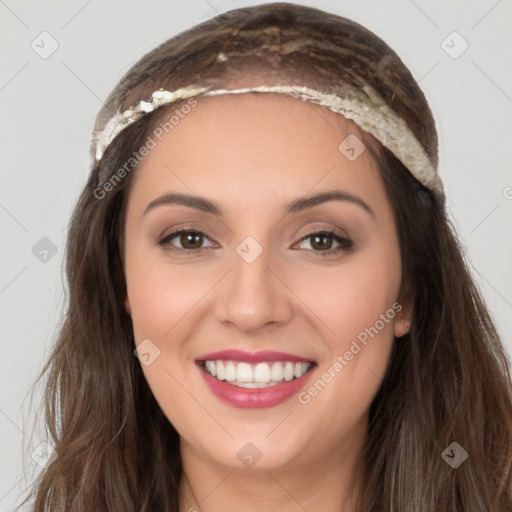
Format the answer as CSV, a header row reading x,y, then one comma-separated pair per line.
x,y
252,155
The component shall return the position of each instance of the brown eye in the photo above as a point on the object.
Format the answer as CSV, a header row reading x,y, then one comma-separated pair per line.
x,y
321,242
187,240
191,240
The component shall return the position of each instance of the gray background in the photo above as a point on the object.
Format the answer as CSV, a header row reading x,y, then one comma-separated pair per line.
x,y
48,106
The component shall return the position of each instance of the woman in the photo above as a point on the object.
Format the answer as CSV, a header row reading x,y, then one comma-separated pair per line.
x,y
268,308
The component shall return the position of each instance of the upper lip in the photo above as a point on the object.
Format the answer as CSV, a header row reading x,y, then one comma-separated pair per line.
x,y
252,357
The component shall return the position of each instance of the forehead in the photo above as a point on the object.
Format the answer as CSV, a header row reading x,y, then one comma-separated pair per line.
x,y
260,144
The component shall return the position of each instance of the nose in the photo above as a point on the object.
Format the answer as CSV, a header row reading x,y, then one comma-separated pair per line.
x,y
254,296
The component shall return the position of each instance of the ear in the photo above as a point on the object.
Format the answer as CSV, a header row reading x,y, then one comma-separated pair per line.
x,y
402,326
127,305
403,317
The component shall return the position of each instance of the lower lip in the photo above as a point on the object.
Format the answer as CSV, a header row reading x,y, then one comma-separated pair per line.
x,y
254,398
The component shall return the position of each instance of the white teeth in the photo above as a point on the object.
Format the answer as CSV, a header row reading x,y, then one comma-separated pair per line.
x,y
221,374
230,371
211,367
288,371
244,372
277,372
301,369
253,384
261,375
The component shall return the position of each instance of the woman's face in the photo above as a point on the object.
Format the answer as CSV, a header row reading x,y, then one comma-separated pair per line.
x,y
251,276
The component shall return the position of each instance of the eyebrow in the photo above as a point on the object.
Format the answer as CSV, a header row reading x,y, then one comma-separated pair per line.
x,y
297,205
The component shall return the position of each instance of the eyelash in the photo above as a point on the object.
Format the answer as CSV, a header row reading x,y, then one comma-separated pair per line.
x,y
346,244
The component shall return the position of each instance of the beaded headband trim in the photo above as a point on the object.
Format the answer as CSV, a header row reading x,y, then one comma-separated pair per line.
x,y
363,106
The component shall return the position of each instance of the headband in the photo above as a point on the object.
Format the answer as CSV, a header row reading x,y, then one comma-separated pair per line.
x,y
364,106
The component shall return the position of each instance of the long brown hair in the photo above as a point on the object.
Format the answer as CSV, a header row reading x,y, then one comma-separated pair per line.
x,y
448,380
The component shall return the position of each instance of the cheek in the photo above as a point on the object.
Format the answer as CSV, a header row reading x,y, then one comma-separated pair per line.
x,y
164,300
161,294
353,297
360,306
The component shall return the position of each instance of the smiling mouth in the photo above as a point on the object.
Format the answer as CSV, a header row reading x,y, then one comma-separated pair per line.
x,y
261,375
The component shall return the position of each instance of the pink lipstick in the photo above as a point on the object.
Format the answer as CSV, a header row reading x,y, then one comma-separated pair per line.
x,y
254,380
